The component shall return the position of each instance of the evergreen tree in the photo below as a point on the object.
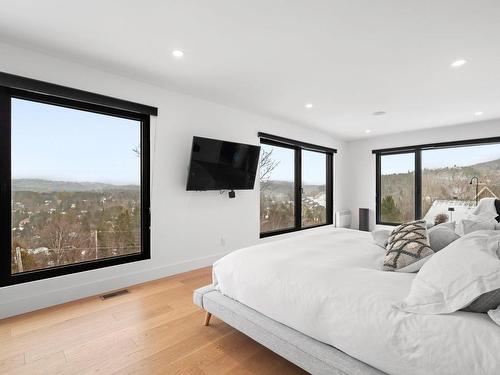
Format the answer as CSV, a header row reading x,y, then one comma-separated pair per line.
x,y
124,235
389,210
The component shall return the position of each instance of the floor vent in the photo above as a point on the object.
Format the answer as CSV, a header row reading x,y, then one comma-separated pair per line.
x,y
114,294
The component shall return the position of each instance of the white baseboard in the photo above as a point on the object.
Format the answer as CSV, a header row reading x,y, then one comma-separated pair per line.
x,y
72,293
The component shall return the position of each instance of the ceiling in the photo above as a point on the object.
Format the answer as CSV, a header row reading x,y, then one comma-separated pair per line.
x,y
348,58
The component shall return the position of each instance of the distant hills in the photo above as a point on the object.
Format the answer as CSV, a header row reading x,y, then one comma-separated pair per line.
x,y
484,167
441,183
489,169
278,187
488,166
47,186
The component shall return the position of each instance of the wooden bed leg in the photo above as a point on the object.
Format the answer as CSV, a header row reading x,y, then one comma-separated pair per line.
x,y
207,318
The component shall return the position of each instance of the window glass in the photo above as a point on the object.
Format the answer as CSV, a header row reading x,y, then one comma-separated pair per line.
x,y
277,188
447,192
76,193
397,183
313,188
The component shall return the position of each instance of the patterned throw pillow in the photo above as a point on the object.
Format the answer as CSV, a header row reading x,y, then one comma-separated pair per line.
x,y
407,247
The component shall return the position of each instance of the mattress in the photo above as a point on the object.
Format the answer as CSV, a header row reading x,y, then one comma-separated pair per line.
x,y
326,283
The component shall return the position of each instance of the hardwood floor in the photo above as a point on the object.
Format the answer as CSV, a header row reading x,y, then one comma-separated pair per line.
x,y
155,329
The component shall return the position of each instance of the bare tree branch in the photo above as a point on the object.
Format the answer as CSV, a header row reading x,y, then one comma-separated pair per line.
x,y
267,165
137,151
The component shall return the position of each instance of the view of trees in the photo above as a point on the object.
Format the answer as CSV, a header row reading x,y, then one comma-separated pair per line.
x,y
53,228
277,205
56,220
276,197
447,183
389,209
398,197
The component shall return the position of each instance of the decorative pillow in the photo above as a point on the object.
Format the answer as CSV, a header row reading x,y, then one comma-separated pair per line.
x,y
407,244
380,237
495,315
441,236
456,276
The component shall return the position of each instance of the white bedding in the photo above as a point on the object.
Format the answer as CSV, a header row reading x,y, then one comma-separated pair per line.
x,y
327,284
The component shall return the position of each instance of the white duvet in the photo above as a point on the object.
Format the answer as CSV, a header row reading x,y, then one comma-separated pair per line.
x,y
327,284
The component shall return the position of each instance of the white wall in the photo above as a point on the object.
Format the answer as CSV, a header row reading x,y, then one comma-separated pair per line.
x,y
187,227
361,162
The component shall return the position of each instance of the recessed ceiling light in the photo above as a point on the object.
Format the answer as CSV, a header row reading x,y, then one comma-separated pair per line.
x,y
368,131
177,53
478,113
308,105
458,63
379,113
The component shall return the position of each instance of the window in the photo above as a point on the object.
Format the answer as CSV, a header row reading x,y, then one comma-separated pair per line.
x,y
277,188
397,188
295,185
437,183
75,179
313,188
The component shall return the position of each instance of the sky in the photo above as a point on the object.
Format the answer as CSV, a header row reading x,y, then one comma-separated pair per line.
x,y
313,165
447,157
57,143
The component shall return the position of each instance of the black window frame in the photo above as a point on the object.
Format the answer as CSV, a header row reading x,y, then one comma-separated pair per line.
x,y
298,147
27,89
417,151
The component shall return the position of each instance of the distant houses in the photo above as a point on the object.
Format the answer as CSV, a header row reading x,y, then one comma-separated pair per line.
x,y
456,209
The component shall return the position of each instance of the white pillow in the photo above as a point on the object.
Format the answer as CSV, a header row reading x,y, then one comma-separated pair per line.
x,y
467,226
495,315
486,205
441,236
456,275
494,245
484,216
380,236
415,266
450,225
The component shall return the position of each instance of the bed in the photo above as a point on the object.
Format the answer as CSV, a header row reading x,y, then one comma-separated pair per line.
x,y
319,299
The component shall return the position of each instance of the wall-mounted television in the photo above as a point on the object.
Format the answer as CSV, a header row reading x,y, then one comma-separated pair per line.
x,y
222,165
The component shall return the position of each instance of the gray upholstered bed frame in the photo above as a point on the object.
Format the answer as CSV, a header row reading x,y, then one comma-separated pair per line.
x,y
307,353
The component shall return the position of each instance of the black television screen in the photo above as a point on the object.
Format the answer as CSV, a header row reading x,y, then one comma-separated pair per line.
x,y
221,165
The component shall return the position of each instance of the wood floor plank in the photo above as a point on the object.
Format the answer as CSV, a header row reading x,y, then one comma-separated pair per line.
x,y
57,314
11,363
265,362
233,356
155,329
160,350
81,329
49,364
